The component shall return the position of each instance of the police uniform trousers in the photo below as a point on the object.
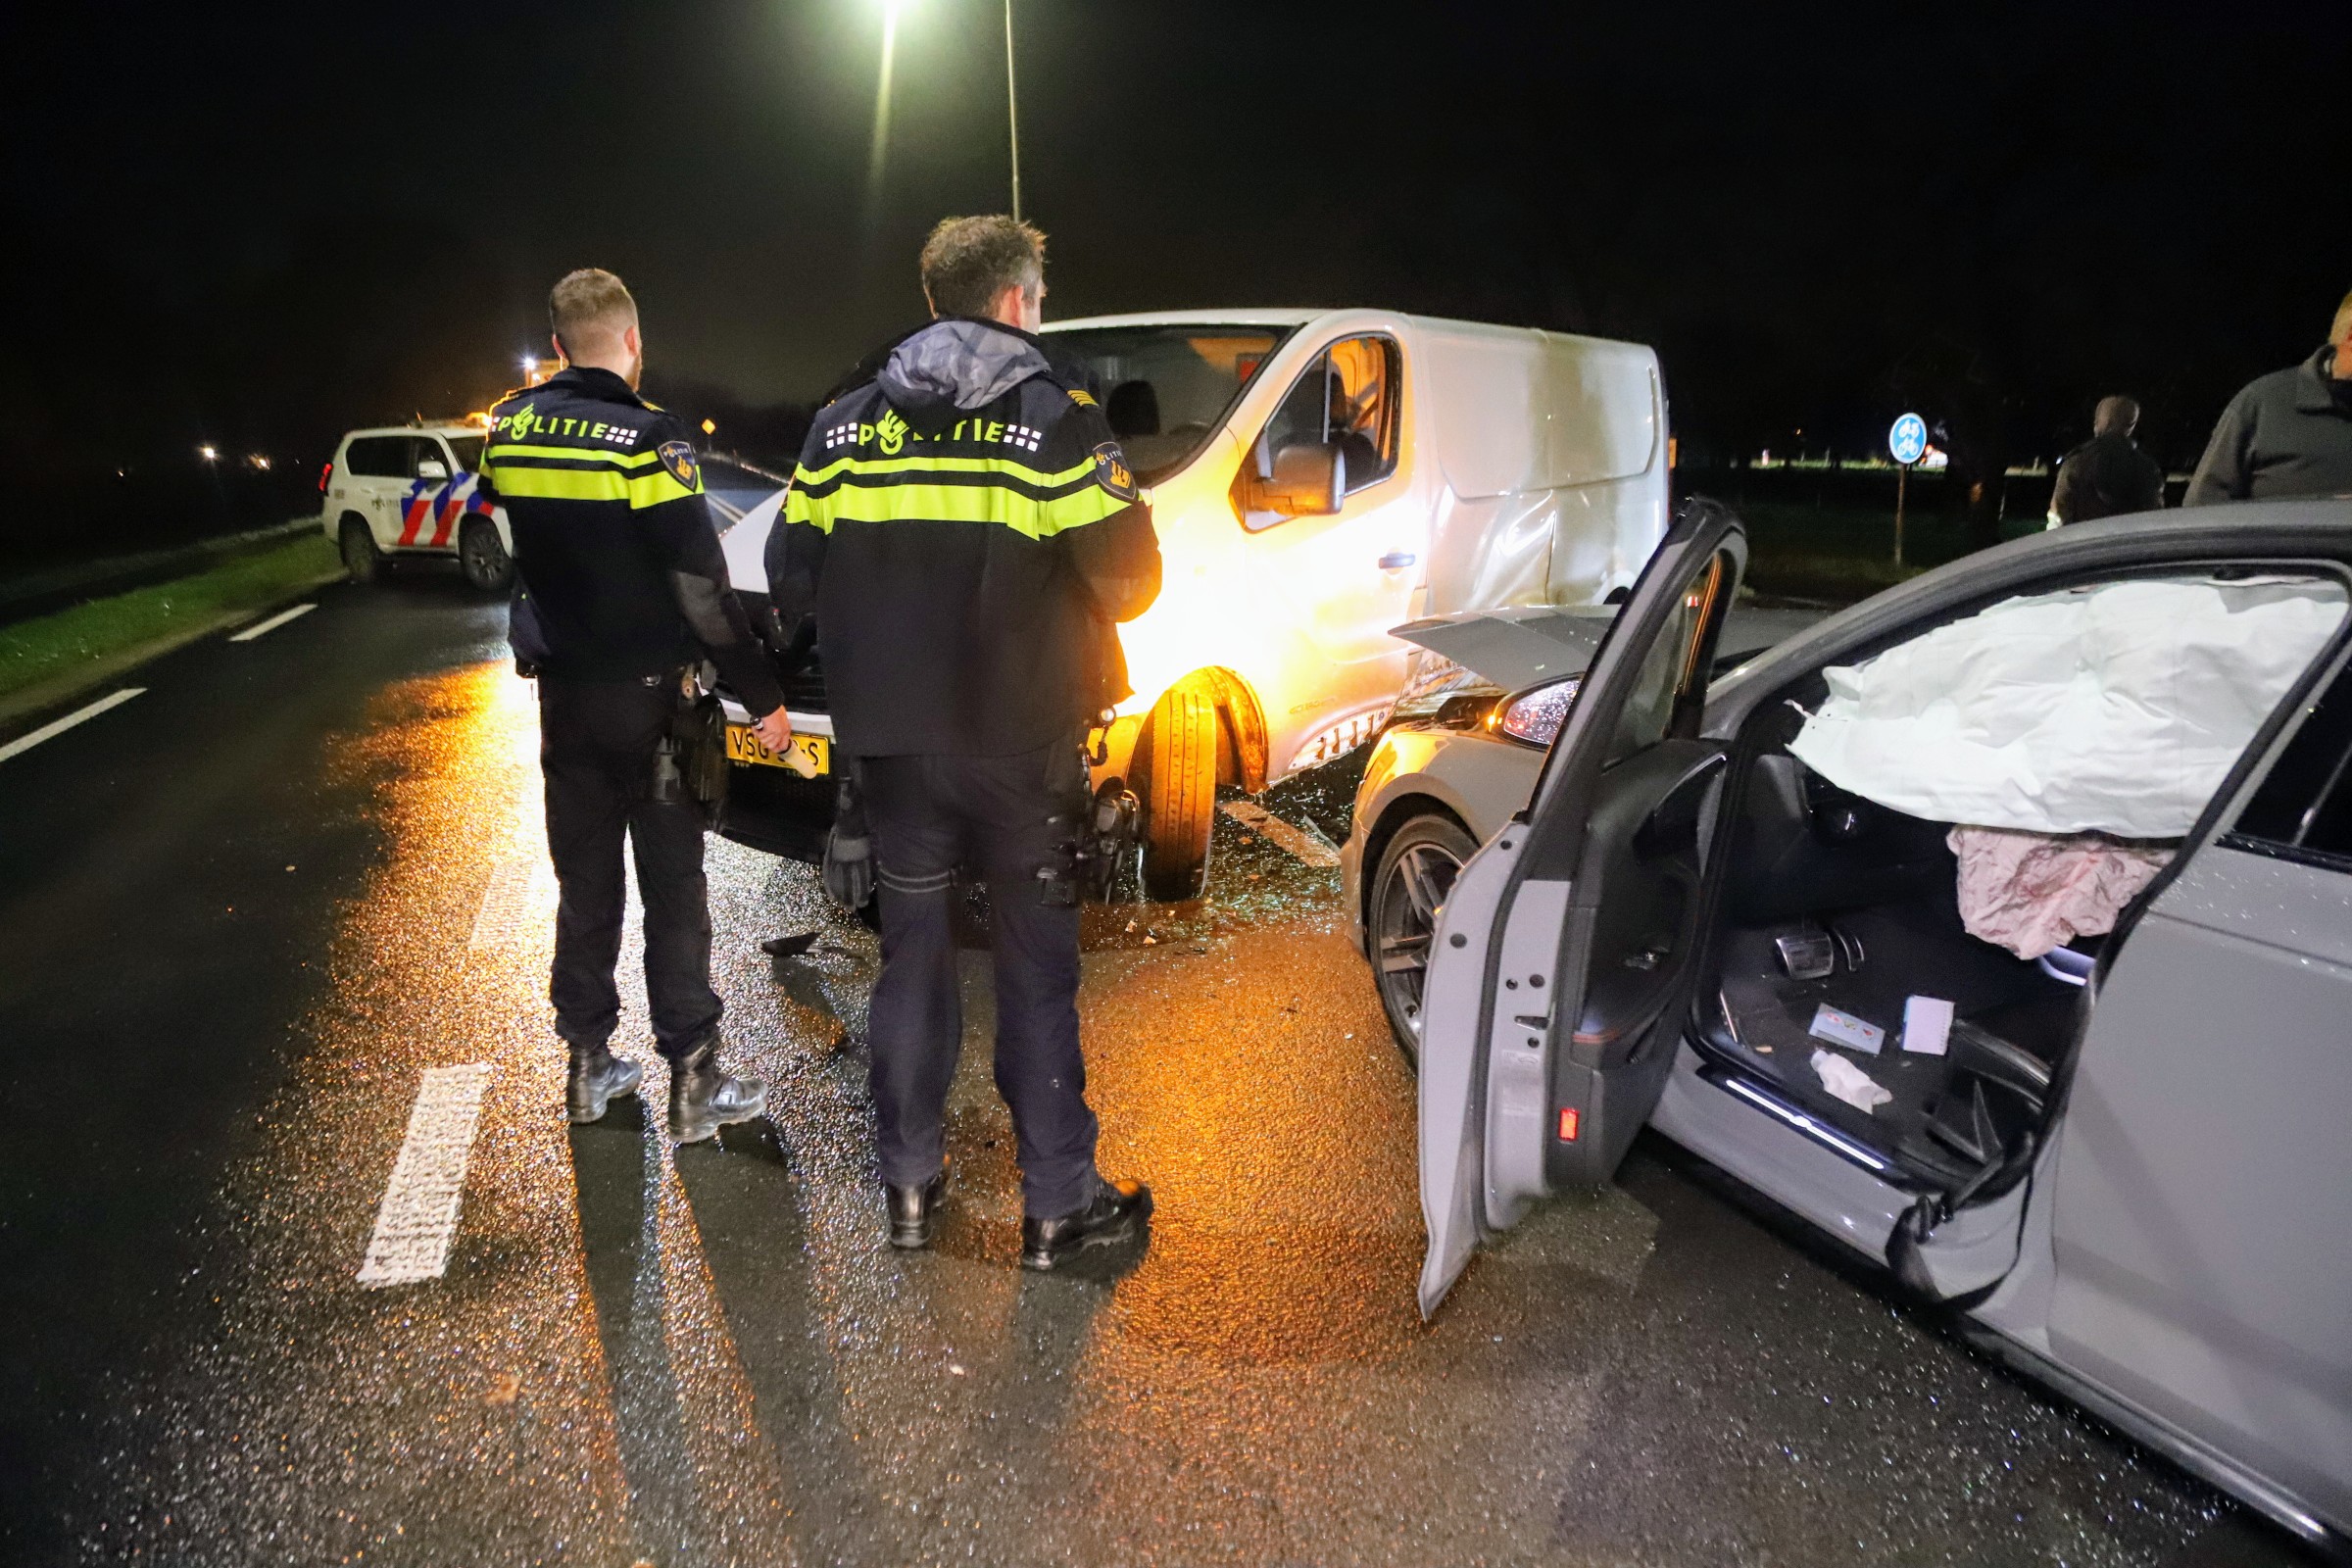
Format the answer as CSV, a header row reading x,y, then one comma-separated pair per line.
x,y
597,741
1008,818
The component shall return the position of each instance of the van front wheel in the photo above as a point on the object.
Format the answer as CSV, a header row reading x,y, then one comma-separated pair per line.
x,y
1180,793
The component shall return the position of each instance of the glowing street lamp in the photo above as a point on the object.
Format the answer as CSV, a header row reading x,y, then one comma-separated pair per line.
x,y
881,141
209,454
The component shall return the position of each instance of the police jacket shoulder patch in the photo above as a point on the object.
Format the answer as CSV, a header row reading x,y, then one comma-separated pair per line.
x,y
678,457
1111,471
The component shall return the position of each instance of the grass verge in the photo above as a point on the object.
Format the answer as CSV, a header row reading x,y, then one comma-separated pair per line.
x,y
42,660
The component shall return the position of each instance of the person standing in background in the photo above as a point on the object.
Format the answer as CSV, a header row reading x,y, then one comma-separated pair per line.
x,y
2107,475
2287,433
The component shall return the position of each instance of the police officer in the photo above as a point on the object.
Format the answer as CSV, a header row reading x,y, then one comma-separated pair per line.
x,y
966,531
620,589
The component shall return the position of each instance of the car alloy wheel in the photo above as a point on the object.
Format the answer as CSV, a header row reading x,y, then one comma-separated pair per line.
x,y
1416,875
483,557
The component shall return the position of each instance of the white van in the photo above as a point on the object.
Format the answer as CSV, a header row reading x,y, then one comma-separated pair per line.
x,y
1317,477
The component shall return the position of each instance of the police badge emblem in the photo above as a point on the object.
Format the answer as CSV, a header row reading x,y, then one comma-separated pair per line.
x,y
1111,471
678,457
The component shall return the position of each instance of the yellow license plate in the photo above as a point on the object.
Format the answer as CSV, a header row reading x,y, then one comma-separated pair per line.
x,y
809,756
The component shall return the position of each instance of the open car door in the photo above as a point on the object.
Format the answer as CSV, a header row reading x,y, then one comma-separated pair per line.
x,y
1556,990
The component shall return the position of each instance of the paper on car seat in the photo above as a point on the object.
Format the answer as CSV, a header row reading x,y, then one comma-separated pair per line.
x,y
1926,1025
2115,709
1848,1082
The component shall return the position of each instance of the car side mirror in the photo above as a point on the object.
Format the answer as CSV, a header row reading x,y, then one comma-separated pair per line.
x,y
431,468
1309,479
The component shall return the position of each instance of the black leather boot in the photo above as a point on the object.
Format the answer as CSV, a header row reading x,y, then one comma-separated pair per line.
x,y
702,1098
914,1210
598,1078
1117,1211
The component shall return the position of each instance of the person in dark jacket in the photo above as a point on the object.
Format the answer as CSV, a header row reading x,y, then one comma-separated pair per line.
x,y
619,589
2108,475
967,532
2287,433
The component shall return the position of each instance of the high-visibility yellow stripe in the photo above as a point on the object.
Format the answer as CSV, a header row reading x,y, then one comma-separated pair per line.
x,y
621,460
944,465
955,503
651,489
562,485
797,507
590,484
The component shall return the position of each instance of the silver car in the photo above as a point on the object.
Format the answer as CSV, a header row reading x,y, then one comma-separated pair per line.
x,y
2127,1170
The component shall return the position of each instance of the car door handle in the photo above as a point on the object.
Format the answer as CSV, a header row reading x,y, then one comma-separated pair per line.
x,y
1397,560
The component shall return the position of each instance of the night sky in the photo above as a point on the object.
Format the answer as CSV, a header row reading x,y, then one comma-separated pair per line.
x,y
260,227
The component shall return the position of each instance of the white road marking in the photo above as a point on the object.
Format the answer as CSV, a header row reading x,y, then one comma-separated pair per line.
x,y
521,893
727,510
57,727
1300,842
262,628
418,1217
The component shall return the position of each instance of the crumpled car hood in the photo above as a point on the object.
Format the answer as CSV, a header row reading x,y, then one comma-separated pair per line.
x,y
1516,646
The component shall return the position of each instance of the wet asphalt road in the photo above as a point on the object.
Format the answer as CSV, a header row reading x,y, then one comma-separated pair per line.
x,y
246,909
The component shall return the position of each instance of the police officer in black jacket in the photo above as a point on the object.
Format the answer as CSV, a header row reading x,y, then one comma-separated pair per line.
x,y
966,533
620,589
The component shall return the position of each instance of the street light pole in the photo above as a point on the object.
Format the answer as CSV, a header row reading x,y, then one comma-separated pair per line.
x,y
1012,110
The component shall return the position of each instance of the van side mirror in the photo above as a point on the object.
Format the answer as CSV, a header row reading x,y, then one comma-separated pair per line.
x,y
1308,481
431,468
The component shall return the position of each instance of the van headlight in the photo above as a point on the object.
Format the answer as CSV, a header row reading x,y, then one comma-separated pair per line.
x,y
1534,716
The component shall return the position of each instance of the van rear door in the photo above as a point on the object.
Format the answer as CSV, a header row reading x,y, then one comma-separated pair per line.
x,y
1556,996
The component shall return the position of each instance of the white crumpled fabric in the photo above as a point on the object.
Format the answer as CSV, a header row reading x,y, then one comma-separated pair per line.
x,y
2116,709
2033,892
1848,1082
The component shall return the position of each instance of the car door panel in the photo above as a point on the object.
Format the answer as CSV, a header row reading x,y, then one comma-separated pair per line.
x,y
2204,1186
1452,1086
1549,1029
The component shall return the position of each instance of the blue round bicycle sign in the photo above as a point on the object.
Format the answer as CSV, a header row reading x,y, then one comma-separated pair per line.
x,y
1907,441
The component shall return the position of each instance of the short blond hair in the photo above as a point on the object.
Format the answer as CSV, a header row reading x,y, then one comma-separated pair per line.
x,y
2342,329
969,262
588,304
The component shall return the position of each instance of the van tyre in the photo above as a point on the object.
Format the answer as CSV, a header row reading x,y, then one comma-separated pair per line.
x,y
1416,875
362,561
1180,805
483,557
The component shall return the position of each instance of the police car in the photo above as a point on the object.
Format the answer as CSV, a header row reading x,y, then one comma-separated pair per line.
x,y
416,491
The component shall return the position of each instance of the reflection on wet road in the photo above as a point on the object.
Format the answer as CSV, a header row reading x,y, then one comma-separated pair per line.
x,y
711,1356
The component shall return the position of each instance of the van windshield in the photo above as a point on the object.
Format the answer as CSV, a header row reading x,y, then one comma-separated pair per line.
x,y
1165,388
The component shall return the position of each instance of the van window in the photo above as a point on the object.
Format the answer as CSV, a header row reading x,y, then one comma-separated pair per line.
x,y
1166,389
424,449
379,456
1347,398
469,450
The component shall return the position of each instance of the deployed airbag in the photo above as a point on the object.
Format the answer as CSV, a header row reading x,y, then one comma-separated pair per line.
x,y
2033,893
2115,710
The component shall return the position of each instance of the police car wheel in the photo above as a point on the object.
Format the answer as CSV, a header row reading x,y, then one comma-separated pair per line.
x,y
362,561
483,558
1180,799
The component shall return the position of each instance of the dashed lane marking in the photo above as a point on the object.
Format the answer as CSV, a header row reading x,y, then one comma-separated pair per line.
x,y
1305,845
264,627
418,1217
57,727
